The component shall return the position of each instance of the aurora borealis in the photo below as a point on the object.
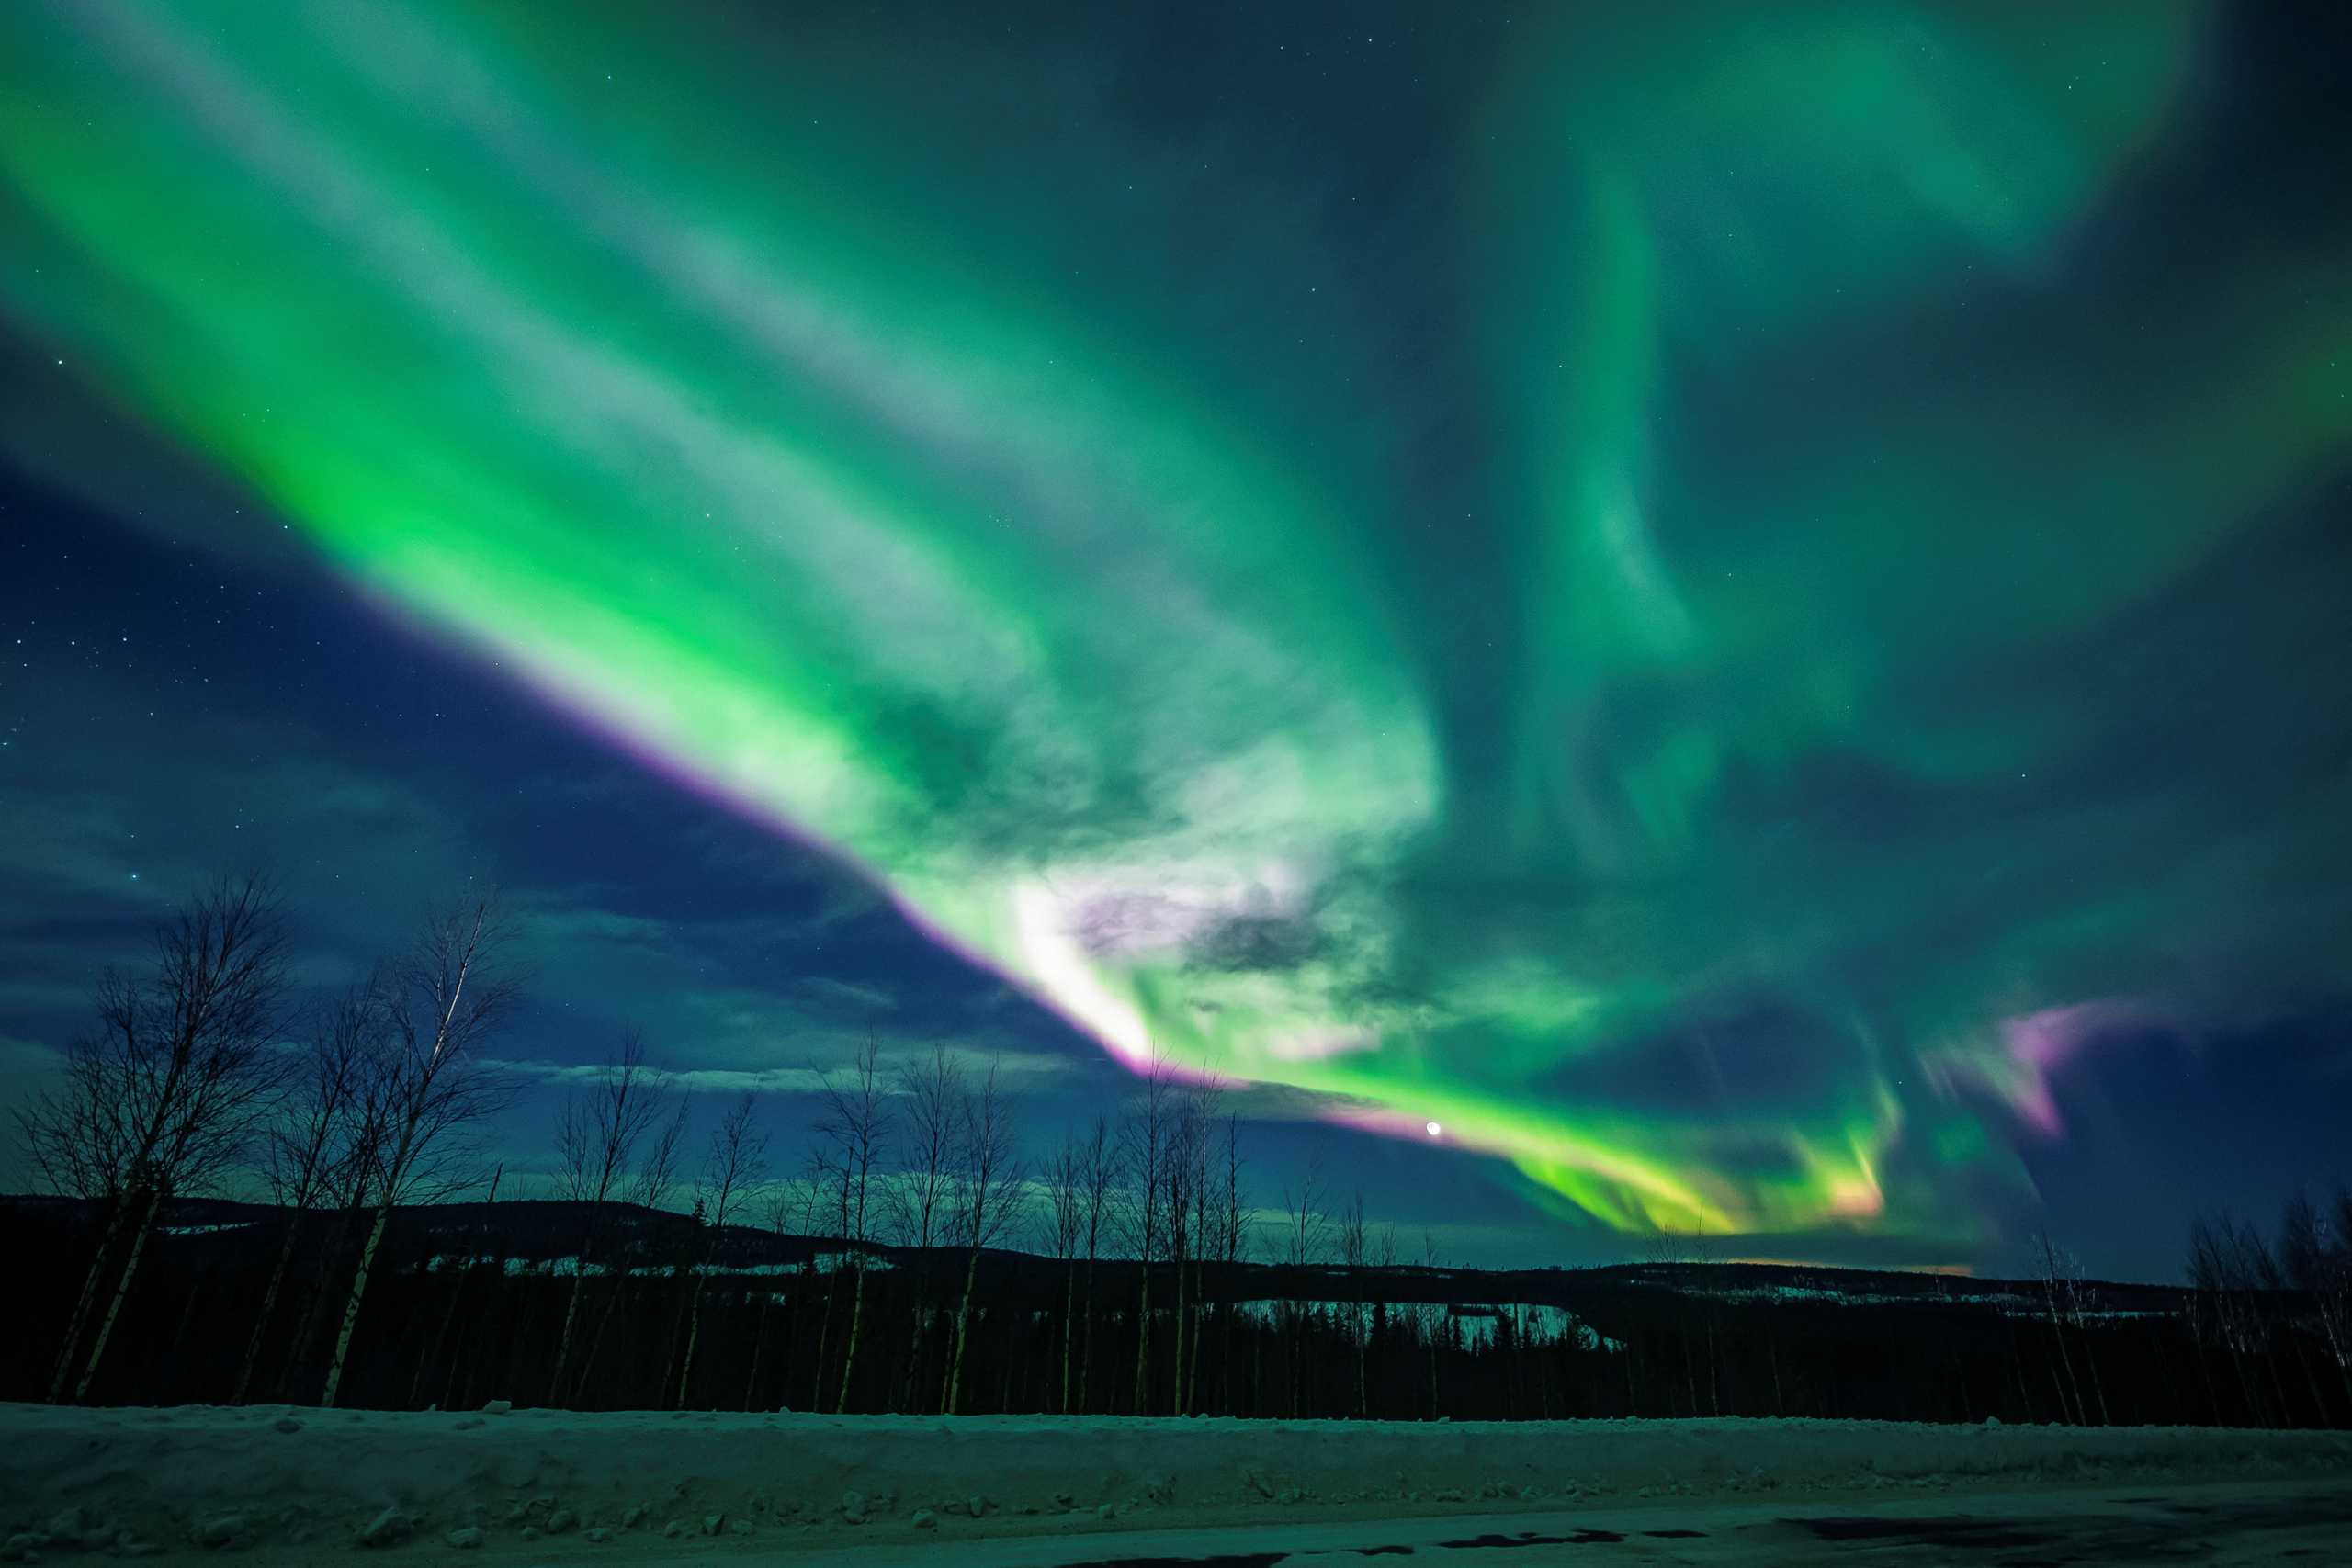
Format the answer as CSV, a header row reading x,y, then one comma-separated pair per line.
x,y
1702,599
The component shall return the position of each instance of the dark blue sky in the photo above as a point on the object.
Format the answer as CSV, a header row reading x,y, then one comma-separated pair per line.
x,y
1832,544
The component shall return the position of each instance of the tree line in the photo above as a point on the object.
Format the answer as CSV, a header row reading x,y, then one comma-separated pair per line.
x,y
910,1258
184,1075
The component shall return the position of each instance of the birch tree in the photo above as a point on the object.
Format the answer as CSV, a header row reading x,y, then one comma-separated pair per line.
x,y
164,1094
346,1198
1200,1115
930,1095
855,1127
650,1190
1063,1230
1232,1236
442,1000
1305,1225
1144,1138
737,1161
1100,1178
2071,1301
597,1132
2316,1260
314,1138
987,1187
1356,1238
1178,1189
788,1209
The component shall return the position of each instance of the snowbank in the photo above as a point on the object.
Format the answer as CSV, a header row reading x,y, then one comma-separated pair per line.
x,y
145,1481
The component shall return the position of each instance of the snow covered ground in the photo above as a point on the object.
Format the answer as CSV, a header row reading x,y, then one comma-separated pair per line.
x,y
282,1484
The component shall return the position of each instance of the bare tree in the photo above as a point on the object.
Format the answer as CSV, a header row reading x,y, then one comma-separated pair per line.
x,y
986,1188
650,1190
444,1000
316,1136
2071,1301
2221,1274
1427,1317
2316,1260
1179,1186
476,1236
346,1195
164,1093
915,1202
1145,1136
855,1127
1233,1228
596,1137
789,1209
1190,1208
737,1161
1304,1229
828,1218
1064,1231
1099,1178
1354,1245
1383,1269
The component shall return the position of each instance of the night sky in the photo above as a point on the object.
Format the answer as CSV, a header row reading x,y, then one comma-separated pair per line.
x,y
1743,608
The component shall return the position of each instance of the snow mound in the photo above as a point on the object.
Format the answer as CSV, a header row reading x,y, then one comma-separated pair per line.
x,y
205,1482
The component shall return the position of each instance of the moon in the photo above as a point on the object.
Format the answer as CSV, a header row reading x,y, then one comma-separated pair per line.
x,y
1435,1129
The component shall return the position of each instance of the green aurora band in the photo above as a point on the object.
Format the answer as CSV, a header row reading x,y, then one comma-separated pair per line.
x,y
731,404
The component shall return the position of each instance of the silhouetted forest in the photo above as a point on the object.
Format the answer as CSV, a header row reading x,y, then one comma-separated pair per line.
x,y
883,1274
471,1299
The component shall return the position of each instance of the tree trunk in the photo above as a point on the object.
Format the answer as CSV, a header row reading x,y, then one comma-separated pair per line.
x,y
1012,1367
431,1356
1433,1371
1257,1371
2269,1359
849,1350
2099,1387
693,1333
913,1379
2329,1317
1177,1360
2066,1359
824,1337
1225,1352
121,1290
1200,1332
759,1350
268,1305
1294,1345
2245,1384
1143,1340
563,1339
1086,1338
462,1366
314,1301
117,1215
604,1321
351,1307
1070,1312
953,1403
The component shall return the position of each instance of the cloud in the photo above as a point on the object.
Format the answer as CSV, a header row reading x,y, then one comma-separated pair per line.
x,y
1019,1071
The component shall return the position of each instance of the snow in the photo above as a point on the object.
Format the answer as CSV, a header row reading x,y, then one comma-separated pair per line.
x,y
204,1230
299,1485
1474,1324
